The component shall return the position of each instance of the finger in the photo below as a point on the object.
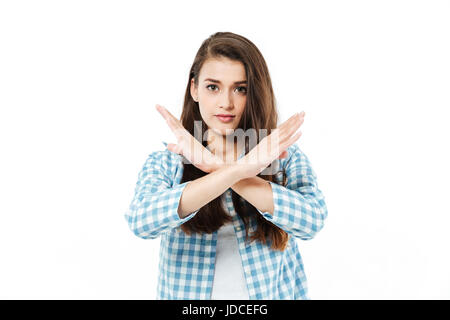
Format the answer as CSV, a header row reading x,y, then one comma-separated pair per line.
x,y
178,130
286,129
283,155
173,148
170,147
162,111
173,122
291,130
290,127
287,122
166,113
172,125
292,140
291,120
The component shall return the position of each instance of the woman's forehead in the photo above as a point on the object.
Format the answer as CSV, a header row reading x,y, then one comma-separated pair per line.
x,y
223,71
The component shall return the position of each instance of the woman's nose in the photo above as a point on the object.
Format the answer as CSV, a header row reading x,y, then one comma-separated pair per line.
x,y
226,101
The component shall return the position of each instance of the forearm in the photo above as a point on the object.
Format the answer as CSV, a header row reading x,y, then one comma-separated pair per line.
x,y
256,191
203,190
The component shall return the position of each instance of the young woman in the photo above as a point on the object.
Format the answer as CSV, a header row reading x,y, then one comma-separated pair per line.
x,y
227,223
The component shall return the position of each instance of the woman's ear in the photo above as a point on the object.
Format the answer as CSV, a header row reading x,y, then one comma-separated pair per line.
x,y
194,91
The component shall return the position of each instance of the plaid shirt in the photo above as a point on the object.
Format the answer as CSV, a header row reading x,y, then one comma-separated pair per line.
x,y
186,266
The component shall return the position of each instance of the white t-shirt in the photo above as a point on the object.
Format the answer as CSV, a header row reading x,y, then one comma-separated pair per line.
x,y
229,280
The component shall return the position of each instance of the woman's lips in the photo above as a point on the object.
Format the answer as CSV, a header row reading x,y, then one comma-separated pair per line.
x,y
225,119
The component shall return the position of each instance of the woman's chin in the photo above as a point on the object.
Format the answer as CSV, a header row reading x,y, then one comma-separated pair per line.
x,y
223,131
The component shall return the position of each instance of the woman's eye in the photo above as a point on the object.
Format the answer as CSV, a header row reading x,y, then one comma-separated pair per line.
x,y
211,85
245,89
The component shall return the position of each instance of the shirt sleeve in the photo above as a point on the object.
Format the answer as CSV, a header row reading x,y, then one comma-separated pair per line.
x,y
154,208
299,208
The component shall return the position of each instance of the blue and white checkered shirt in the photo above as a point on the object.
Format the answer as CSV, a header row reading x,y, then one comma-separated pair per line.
x,y
186,266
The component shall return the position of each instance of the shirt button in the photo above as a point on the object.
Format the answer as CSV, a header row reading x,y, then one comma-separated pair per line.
x,y
238,228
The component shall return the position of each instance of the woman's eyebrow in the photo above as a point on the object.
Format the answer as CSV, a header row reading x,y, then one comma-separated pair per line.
x,y
217,81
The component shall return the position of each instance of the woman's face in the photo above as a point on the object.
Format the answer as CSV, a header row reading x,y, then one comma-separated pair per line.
x,y
222,89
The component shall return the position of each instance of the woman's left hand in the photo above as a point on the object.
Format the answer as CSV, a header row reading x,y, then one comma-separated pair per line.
x,y
271,147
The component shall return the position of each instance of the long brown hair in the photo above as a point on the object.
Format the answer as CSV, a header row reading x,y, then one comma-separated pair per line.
x,y
259,113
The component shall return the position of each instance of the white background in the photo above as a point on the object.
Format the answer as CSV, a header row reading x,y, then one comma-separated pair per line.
x,y
78,85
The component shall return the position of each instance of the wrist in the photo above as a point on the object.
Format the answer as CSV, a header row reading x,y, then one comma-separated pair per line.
x,y
219,164
239,171
235,168
235,171
213,164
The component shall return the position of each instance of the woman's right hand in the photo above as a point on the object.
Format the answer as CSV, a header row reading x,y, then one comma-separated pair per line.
x,y
271,147
188,146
